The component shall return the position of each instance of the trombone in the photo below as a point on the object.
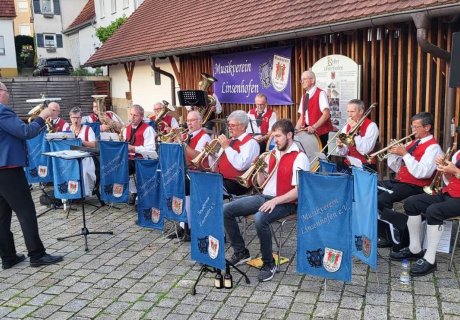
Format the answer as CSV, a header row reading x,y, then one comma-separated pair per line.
x,y
383,154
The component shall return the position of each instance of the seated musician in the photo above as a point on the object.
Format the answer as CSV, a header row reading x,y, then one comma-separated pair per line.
x,y
166,123
436,209
365,139
58,123
110,122
141,142
196,141
261,120
315,115
414,165
277,201
236,154
88,139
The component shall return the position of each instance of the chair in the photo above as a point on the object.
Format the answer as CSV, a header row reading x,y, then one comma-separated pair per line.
x,y
278,238
455,241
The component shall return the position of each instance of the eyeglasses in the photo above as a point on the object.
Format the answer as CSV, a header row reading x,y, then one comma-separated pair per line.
x,y
191,120
416,127
305,79
75,117
260,105
233,125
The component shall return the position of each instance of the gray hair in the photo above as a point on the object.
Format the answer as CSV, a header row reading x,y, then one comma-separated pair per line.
x,y
309,74
425,117
240,116
358,103
138,108
196,113
158,103
263,96
75,110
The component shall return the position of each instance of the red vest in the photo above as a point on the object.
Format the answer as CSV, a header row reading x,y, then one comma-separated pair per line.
x,y
265,119
404,175
161,126
314,113
194,141
95,118
284,172
352,151
225,167
453,188
138,136
86,128
59,126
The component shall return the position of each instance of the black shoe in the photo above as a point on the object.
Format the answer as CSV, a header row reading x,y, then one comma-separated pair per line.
x,y
132,198
9,263
240,257
47,259
422,268
384,243
405,253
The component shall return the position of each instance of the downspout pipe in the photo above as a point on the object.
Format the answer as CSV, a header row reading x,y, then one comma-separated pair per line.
x,y
422,23
166,74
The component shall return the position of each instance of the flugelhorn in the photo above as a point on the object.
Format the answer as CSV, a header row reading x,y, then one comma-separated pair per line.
x,y
436,185
211,148
383,154
35,111
349,138
249,178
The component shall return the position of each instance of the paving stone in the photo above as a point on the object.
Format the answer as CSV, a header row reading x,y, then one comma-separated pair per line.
x,y
451,308
4,311
326,309
373,312
347,314
132,315
45,311
401,310
400,296
89,312
22,311
377,299
75,305
228,312
427,313
355,303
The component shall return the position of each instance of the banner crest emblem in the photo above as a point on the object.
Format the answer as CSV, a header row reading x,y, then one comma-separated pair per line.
x,y
332,259
73,187
366,246
177,205
117,190
42,171
155,215
280,72
213,247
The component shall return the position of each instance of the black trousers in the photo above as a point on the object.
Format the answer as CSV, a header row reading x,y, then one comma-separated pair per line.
x,y
15,196
400,190
435,208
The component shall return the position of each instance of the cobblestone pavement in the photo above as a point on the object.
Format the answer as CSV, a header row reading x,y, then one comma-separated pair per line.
x,y
137,273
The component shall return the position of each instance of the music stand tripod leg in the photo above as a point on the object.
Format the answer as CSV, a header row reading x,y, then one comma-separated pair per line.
x,y
228,263
203,271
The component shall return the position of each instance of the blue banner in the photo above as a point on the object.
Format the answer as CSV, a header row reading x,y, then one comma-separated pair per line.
x,y
240,76
324,247
114,171
326,166
172,166
96,126
66,173
149,201
364,217
40,169
206,207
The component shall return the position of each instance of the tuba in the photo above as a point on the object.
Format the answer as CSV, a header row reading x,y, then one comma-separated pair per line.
x,y
436,185
349,138
99,98
204,84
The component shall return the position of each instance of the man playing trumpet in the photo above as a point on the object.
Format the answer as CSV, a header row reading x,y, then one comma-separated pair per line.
x,y
414,165
236,154
365,139
277,201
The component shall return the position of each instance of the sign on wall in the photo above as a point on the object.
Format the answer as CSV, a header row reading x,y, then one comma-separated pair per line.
x,y
339,76
242,75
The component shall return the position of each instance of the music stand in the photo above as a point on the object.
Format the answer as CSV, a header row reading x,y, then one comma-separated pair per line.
x,y
194,98
79,157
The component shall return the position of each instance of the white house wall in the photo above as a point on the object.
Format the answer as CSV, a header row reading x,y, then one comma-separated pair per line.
x,y
53,26
105,16
8,61
70,10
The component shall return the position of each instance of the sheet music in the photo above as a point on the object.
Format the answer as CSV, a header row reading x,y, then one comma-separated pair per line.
x,y
68,154
59,135
355,162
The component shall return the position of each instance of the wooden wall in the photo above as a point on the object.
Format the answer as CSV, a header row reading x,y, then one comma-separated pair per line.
x,y
396,73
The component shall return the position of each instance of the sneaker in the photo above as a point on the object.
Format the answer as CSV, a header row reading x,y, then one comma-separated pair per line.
x,y
240,257
267,272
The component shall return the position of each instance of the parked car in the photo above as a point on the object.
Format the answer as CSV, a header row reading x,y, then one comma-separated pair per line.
x,y
52,67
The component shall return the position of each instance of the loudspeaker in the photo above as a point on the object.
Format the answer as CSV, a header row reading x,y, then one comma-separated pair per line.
x,y
455,61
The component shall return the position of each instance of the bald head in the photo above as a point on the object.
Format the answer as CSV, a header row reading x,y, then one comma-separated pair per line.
x,y
55,109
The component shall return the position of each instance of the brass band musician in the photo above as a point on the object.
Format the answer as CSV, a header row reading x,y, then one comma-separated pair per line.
x,y
110,122
261,120
366,138
167,123
414,165
237,153
58,124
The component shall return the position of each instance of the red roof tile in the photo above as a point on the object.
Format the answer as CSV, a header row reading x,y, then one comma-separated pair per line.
x,y
160,27
7,9
86,15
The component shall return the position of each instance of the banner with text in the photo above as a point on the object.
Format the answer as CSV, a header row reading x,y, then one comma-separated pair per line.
x,y
40,169
324,225
206,207
240,76
364,218
114,171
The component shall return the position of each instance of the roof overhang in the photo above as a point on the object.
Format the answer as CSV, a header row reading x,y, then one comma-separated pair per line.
x,y
79,27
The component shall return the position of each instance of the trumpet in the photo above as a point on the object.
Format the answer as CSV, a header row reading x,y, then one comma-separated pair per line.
x,y
349,138
211,148
173,135
249,178
436,185
382,154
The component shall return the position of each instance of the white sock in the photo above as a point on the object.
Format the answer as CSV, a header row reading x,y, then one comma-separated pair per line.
x,y
414,224
132,186
187,210
433,234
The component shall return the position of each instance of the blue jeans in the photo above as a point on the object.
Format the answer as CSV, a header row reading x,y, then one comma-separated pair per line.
x,y
246,206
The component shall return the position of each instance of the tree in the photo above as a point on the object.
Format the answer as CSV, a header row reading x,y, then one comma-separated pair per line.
x,y
25,51
104,33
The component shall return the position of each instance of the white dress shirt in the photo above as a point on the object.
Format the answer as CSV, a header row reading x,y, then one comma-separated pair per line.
x,y
323,102
364,144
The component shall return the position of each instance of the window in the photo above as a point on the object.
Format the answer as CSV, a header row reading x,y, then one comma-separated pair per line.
x,y
23,6
101,2
2,46
114,6
24,30
50,40
47,6
125,4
